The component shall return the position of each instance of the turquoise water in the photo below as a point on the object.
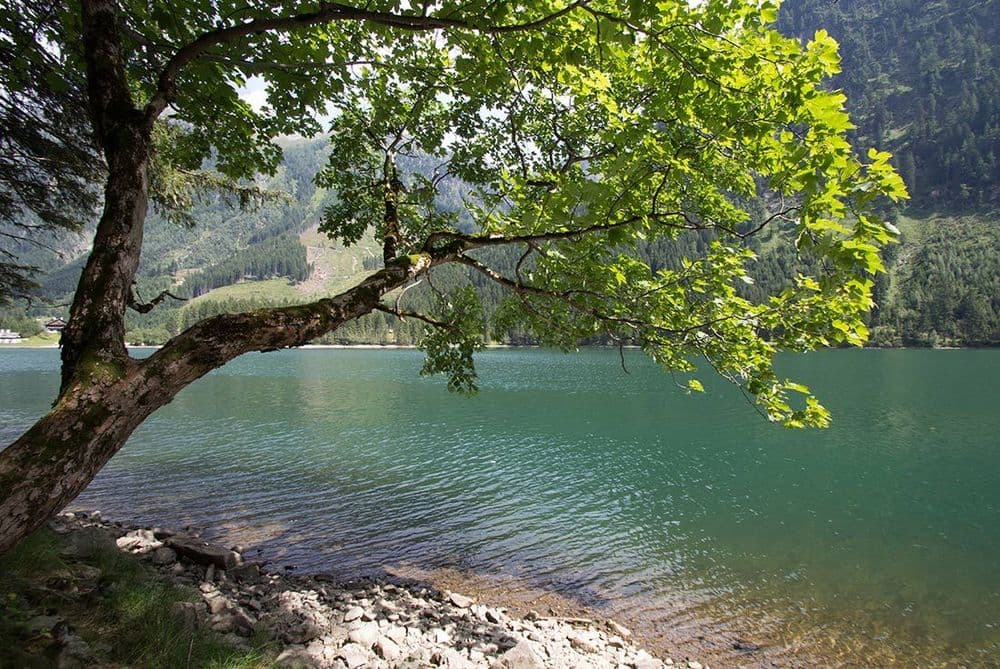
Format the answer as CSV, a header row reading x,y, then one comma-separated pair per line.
x,y
875,541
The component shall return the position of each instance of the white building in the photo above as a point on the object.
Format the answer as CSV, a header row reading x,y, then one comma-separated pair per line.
x,y
10,337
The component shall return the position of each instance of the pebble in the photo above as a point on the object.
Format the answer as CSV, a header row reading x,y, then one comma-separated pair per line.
x,y
382,625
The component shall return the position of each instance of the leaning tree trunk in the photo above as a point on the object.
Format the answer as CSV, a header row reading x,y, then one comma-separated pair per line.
x,y
97,412
105,394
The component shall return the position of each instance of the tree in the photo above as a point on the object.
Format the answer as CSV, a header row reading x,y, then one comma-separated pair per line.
x,y
581,127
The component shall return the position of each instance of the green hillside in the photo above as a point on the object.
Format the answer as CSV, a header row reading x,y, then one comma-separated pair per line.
x,y
922,81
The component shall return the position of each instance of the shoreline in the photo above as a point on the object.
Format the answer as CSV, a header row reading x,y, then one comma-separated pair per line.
x,y
400,620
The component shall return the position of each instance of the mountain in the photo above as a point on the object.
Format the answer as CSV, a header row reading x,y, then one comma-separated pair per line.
x,y
923,82
922,79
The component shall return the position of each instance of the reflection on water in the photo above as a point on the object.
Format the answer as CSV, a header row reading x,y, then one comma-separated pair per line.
x,y
870,542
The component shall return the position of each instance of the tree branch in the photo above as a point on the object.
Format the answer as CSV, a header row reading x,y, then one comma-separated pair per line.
x,y
146,307
328,12
403,314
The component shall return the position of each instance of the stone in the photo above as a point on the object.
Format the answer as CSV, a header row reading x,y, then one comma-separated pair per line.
x,y
440,636
75,653
520,656
694,665
353,613
222,622
296,657
353,655
216,603
87,542
204,553
452,659
138,541
582,644
188,614
745,646
461,601
243,624
337,635
247,574
54,626
366,635
387,649
620,630
163,556
644,660
395,633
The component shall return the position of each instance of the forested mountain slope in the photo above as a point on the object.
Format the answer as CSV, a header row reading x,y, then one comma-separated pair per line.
x,y
922,79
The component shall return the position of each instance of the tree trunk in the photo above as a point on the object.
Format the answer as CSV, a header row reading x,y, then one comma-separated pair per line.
x,y
56,459
105,394
96,327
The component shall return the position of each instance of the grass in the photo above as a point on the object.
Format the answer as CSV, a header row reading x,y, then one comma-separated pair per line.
x,y
42,339
123,609
340,267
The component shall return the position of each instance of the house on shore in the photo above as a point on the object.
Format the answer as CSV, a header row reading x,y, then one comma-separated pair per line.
x,y
55,325
10,337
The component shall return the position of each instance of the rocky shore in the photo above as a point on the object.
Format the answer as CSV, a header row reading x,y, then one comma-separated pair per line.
x,y
318,622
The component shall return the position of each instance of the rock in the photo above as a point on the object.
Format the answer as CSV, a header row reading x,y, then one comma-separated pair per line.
x,y
296,657
353,613
582,644
745,646
247,573
395,633
496,617
387,649
163,556
75,653
439,635
161,533
452,659
217,603
644,660
620,630
188,614
138,541
366,635
353,655
53,626
694,665
87,542
461,601
210,574
204,553
520,656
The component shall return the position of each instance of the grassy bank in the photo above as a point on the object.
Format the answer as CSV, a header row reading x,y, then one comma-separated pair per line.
x,y
58,590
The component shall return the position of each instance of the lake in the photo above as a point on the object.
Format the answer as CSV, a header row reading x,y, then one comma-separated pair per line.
x,y
874,541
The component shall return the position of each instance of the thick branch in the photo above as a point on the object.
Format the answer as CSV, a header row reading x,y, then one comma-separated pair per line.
x,y
213,342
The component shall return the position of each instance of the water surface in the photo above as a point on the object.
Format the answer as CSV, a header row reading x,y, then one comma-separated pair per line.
x,y
875,541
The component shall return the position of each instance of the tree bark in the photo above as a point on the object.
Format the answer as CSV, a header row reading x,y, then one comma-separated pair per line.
x,y
96,327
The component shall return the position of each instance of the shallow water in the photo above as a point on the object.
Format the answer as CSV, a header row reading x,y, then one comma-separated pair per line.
x,y
875,541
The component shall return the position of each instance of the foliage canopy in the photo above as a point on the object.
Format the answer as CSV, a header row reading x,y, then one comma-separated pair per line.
x,y
582,130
